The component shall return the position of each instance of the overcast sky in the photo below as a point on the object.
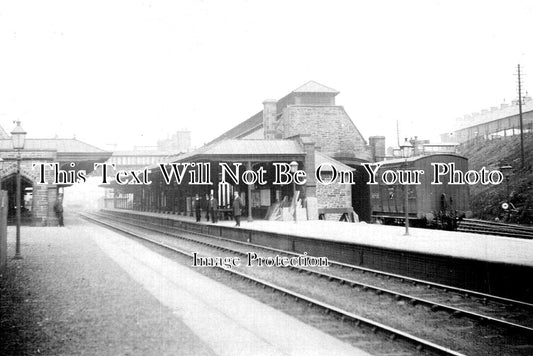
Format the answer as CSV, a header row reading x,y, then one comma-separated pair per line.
x,y
130,72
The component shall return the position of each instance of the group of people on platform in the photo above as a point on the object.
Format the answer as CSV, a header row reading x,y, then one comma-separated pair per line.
x,y
211,207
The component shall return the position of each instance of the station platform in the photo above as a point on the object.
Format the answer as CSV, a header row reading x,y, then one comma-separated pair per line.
x,y
484,248
83,289
488,264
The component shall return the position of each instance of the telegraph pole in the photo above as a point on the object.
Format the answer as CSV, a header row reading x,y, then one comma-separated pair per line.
x,y
398,133
521,121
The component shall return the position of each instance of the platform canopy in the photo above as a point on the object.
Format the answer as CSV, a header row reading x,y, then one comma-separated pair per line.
x,y
64,151
244,150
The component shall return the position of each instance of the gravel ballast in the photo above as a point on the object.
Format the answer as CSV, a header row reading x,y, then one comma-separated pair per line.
x,y
67,297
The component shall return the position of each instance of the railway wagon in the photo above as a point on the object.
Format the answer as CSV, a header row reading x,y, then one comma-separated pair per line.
x,y
431,205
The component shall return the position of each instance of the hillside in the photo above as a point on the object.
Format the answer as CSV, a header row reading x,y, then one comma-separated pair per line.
x,y
486,200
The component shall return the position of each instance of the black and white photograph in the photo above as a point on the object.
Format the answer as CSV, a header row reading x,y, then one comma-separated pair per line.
x,y
248,177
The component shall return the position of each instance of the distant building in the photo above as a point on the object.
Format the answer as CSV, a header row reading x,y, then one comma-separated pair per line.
x,y
143,156
423,147
443,147
496,122
134,160
138,159
178,142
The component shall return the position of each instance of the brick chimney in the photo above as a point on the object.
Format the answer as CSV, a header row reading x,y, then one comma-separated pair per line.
x,y
377,146
269,118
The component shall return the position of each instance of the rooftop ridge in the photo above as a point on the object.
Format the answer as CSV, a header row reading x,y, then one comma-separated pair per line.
x,y
314,87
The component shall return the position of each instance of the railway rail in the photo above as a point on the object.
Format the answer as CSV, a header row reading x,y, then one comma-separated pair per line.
x,y
339,275
328,311
478,297
343,274
495,228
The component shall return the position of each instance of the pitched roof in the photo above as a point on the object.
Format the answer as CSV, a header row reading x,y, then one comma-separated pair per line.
x,y
416,158
314,87
241,149
493,115
321,158
3,134
60,145
244,127
248,148
136,153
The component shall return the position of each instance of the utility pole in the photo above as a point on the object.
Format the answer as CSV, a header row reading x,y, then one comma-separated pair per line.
x,y
398,133
521,121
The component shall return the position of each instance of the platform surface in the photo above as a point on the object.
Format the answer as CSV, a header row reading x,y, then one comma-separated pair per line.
x,y
479,247
94,291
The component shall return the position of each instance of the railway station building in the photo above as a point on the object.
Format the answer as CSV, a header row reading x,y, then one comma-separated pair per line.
x,y
37,200
305,126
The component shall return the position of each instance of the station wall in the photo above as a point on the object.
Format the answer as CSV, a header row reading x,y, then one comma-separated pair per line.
x,y
330,127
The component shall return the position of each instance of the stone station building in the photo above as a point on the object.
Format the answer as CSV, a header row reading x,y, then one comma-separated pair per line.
x,y
38,199
305,126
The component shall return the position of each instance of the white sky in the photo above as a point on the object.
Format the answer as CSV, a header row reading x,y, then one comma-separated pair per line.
x,y
130,72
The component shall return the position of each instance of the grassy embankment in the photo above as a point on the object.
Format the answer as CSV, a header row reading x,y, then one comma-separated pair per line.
x,y
486,200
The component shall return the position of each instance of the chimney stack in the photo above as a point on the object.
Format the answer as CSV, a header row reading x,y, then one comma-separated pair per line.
x,y
270,109
377,146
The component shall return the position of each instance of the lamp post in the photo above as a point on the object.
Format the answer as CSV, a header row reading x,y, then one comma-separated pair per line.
x,y
18,136
406,148
294,168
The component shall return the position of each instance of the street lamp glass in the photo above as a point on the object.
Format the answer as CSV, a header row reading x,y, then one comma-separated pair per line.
x,y
406,149
294,166
18,136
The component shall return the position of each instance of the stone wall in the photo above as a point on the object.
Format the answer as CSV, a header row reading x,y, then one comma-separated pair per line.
x,y
44,195
330,127
334,195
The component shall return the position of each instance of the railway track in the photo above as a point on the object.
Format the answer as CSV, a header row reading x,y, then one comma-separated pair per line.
x,y
316,312
495,228
478,297
406,290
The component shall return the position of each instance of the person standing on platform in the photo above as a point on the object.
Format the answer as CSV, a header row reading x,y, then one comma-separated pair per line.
x,y
197,207
213,209
237,205
58,209
206,207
